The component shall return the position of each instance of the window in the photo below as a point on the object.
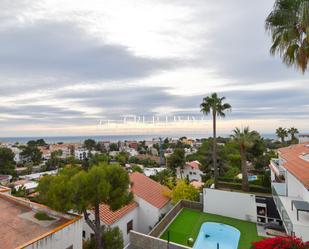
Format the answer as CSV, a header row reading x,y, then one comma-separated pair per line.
x,y
129,226
84,234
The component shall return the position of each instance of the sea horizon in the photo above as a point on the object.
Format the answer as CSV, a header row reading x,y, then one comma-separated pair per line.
x,y
112,138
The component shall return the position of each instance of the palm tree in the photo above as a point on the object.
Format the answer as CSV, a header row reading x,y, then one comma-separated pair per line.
x,y
292,131
282,133
214,105
288,23
245,139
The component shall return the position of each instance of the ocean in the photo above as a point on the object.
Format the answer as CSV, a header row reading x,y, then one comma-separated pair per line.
x,y
112,138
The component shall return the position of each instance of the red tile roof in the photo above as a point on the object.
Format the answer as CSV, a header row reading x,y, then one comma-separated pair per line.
x,y
109,217
149,190
295,164
193,164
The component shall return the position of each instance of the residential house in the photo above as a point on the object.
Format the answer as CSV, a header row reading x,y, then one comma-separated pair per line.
x,y
191,171
290,188
81,154
19,228
149,205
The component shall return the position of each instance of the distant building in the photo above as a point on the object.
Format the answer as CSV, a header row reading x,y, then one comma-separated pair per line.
x,y
149,205
20,229
5,179
191,171
81,154
303,138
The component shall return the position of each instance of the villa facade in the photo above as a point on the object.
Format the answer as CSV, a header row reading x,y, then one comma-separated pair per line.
x,y
290,188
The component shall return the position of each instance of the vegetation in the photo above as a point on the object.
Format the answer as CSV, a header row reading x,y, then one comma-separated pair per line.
x,y
281,243
79,190
292,131
188,223
90,144
7,163
289,24
184,191
42,216
55,161
177,159
111,239
282,133
20,192
244,139
32,153
214,105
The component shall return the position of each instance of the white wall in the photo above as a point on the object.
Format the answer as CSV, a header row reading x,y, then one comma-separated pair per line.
x,y
122,224
296,188
68,236
194,176
148,215
231,204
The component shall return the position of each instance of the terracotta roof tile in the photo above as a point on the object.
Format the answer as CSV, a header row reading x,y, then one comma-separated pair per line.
x,y
149,190
109,217
295,164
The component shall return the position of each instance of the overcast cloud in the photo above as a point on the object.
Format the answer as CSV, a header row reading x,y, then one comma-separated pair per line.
x,y
71,63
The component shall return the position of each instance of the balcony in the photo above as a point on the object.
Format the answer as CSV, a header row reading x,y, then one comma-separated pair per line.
x,y
294,226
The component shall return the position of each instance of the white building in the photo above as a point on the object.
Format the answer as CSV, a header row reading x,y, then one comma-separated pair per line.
x,y
290,188
27,232
150,203
191,171
81,154
303,138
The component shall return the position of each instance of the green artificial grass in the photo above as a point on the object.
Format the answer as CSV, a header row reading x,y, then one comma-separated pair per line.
x,y
42,216
188,222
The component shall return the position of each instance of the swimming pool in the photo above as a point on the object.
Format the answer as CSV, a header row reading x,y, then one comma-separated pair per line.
x,y
252,178
214,234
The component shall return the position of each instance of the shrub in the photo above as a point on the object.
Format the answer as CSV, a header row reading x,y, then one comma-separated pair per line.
x,y
281,243
42,216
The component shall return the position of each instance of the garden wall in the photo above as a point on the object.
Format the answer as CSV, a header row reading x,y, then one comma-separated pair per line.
x,y
231,204
168,218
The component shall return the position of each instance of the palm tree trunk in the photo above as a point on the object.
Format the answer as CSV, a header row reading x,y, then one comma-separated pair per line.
x,y
245,184
214,154
98,240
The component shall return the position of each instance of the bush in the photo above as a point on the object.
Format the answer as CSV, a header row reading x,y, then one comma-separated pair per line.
x,y
237,186
281,243
43,216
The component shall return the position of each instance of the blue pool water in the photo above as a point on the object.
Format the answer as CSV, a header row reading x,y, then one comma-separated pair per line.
x,y
252,178
212,233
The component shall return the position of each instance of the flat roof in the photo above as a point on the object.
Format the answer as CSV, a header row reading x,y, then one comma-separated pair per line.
x,y
18,226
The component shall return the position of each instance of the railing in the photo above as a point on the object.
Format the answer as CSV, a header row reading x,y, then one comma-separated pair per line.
x,y
281,209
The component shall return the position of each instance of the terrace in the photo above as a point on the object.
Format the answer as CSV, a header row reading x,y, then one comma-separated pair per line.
x,y
188,222
183,222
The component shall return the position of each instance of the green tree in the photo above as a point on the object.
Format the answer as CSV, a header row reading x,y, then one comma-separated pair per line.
x,y
122,158
184,191
55,161
245,139
293,131
32,153
289,25
7,163
90,144
177,159
136,168
78,190
98,158
111,239
214,105
282,133
113,147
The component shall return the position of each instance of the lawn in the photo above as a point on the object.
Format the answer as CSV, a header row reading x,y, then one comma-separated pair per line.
x,y
187,224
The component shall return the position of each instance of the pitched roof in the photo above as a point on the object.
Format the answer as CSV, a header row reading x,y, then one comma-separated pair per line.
x,y
296,162
109,217
194,164
149,190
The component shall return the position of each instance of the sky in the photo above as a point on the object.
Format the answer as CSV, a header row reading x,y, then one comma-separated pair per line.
x,y
65,65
